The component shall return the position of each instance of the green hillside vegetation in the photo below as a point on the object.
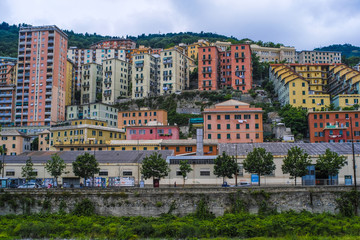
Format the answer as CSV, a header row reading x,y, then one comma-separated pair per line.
x,y
346,49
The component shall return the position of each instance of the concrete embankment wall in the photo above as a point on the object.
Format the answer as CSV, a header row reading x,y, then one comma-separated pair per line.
x,y
178,201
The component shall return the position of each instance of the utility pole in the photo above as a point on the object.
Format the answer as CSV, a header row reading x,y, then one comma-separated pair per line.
x,y
354,167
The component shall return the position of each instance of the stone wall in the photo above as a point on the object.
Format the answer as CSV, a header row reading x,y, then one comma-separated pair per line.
x,y
178,201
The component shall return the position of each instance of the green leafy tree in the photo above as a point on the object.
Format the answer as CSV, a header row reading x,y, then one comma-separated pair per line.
x,y
330,163
27,171
225,166
55,167
85,166
259,162
296,163
154,166
185,168
294,118
35,144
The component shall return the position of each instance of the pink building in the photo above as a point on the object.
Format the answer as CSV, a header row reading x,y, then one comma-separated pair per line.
x,y
152,132
41,78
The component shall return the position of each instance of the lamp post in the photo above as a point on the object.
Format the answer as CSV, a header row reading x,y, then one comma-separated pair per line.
x,y
3,152
353,153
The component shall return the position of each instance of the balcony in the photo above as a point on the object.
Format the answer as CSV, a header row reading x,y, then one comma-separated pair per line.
x,y
48,86
50,48
167,60
48,106
139,77
207,71
49,80
51,35
239,56
50,60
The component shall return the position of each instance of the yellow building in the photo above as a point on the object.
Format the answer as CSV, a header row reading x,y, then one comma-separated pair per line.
x,y
315,74
193,49
70,88
83,134
294,89
44,140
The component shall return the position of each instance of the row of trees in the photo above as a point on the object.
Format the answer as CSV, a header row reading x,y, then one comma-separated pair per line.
x,y
259,162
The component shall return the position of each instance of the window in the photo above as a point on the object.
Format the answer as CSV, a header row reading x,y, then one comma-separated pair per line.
x,y
256,126
13,146
247,126
257,135
209,117
219,126
218,117
209,136
204,172
94,133
10,173
227,126
188,149
219,136
103,173
237,126
315,125
227,117
256,116
228,136
177,149
247,135
127,173
327,116
209,126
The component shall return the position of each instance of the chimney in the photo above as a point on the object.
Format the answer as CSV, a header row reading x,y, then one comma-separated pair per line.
x,y
199,142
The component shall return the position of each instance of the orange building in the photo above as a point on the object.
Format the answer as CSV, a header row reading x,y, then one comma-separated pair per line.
x,y
116,43
229,68
141,117
233,122
41,76
14,142
188,146
334,126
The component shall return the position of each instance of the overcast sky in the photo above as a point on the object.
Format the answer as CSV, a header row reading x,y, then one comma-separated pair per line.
x,y
305,24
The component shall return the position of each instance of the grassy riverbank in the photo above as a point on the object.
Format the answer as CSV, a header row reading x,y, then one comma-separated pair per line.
x,y
288,225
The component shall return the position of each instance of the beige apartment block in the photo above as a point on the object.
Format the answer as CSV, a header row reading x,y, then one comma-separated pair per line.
x,y
276,55
14,142
83,56
92,75
318,57
44,140
145,75
174,71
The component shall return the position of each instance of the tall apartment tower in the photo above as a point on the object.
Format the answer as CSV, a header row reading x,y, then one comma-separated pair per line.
x,y
145,75
174,71
41,78
219,68
91,83
115,80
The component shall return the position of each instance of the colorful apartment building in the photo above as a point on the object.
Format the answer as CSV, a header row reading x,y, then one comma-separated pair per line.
x,y
294,89
41,76
70,83
152,132
116,77
145,76
233,121
7,104
343,80
116,43
92,81
193,49
141,117
225,68
44,140
7,72
334,126
84,56
275,55
96,111
82,134
328,57
174,71
189,146
14,142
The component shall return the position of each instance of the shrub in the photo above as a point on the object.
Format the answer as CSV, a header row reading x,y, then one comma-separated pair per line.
x,y
84,208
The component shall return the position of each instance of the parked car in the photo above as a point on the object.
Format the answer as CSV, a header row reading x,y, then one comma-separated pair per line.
x,y
29,185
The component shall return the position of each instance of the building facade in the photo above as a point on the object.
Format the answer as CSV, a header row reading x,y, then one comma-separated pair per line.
x,y
44,140
318,57
82,134
116,43
7,104
96,111
70,83
275,55
141,117
92,81
189,146
334,126
145,76
152,132
233,122
14,142
225,68
41,77
174,71
116,77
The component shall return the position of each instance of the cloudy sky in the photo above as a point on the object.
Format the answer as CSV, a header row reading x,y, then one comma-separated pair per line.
x,y
305,24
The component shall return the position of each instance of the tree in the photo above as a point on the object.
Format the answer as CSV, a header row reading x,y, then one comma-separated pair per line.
x,y
330,163
225,166
85,166
34,146
154,166
185,168
28,171
55,167
296,163
259,162
294,118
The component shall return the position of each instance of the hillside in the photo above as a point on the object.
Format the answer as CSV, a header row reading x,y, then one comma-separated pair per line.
x,y
9,39
346,49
